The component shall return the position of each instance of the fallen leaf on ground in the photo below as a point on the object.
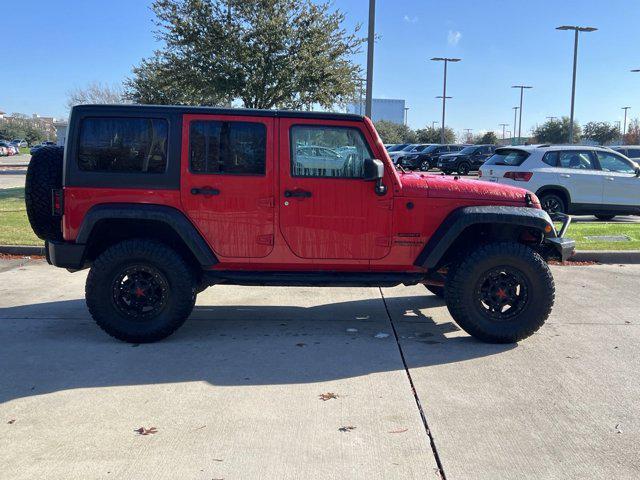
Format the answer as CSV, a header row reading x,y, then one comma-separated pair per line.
x,y
12,421
618,430
301,344
327,396
218,460
352,330
348,428
402,430
146,431
381,335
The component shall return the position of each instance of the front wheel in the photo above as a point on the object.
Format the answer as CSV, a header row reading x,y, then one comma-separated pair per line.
x,y
140,291
464,169
424,166
501,292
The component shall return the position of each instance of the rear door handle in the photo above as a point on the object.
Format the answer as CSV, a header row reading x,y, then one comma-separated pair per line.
x,y
611,179
297,193
565,175
205,191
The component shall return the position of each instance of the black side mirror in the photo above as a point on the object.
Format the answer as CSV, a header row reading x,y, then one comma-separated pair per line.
x,y
637,171
373,169
373,172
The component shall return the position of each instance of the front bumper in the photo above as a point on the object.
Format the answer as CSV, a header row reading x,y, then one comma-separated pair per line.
x,y
557,246
65,254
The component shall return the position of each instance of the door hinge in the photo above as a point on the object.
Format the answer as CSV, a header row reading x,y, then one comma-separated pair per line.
x,y
266,202
265,239
383,242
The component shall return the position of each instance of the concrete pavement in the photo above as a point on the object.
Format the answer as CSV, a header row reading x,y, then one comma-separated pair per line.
x,y
235,392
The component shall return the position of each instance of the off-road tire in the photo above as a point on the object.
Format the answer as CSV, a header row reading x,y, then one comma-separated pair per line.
x,y
462,292
437,291
43,175
464,168
100,290
605,218
553,203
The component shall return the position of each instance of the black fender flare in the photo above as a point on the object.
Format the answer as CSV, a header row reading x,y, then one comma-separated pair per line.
x,y
462,218
170,216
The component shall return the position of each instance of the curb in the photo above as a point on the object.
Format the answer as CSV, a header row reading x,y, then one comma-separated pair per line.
x,y
22,250
607,256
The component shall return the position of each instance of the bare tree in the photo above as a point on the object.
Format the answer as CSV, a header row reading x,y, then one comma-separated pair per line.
x,y
96,92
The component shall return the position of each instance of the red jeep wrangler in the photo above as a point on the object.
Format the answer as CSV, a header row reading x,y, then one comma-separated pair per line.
x,y
162,202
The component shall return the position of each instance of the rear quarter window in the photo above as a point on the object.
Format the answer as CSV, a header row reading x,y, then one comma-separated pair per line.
x,y
126,145
508,157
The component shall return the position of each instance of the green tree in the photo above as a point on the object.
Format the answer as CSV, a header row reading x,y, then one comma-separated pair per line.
x,y
267,54
632,137
22,127
432,135
391,132
556,131
487,138
601,132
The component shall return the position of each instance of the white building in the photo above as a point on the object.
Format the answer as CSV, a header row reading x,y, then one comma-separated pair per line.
x,y
391,110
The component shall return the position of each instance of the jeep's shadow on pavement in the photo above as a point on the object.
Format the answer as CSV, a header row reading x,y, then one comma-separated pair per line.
x,y
52,347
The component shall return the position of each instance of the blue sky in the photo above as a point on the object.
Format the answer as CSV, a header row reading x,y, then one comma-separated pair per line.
x,y
55,47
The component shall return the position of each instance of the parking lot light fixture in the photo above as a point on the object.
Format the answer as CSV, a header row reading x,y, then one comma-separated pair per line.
x,y
624,128
635,70
444,97
577,31
370,44
504,126
515,124
522,88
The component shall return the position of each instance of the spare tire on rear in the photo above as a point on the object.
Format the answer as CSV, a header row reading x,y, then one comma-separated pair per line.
x,y
44,174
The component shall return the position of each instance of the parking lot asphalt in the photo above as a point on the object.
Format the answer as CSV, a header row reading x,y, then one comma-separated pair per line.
x,y
235,393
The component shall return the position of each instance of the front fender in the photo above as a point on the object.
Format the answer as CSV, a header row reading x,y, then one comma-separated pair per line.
x,y
461,219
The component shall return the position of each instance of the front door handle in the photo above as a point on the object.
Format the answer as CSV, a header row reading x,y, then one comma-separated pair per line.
x,y
297,193
565,175
205,191
609,178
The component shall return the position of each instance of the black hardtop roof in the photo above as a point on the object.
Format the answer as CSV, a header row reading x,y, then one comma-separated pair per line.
x,y
127,109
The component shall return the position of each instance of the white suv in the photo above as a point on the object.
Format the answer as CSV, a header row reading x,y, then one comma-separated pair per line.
x,y
570,179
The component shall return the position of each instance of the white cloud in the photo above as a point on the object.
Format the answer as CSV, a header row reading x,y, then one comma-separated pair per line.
x,y
409,19
453,37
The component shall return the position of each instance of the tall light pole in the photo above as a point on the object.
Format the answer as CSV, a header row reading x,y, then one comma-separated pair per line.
x,y
467,132
444,90
577,31
504,126
515,125
551,118
522,88
624,128
433,124
406,109
371,37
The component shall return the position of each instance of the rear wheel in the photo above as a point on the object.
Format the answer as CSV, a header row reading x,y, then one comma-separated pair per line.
x,y
605,218
500,292
424,166
464,168
140,291
553,203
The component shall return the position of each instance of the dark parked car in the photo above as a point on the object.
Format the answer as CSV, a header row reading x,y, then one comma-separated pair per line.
x,y
428,158
629,151
466,160
43,144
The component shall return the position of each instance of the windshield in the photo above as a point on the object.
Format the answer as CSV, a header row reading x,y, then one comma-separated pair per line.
x,y
398,147
507,157
409,147
430,148
468,150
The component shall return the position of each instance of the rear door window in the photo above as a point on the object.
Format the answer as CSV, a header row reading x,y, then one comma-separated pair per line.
x,y
577,160
610,162
231,148
127,145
